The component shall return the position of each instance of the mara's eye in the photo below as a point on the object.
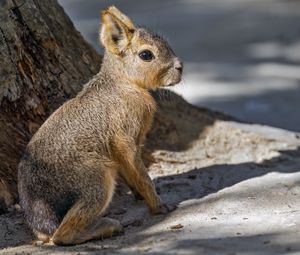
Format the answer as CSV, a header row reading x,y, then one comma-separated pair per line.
x,y
146,55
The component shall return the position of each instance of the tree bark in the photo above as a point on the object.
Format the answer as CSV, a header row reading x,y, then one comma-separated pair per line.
x,y
44,61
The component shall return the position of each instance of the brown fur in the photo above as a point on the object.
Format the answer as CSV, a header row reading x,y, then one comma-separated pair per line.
x,y
68,173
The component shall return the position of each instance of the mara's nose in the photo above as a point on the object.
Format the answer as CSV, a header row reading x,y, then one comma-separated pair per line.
x,y
178,65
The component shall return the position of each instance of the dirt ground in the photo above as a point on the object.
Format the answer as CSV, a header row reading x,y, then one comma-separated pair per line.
x,y
236,187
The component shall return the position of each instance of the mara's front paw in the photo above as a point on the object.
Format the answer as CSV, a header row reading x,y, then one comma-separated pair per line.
x,y
163,209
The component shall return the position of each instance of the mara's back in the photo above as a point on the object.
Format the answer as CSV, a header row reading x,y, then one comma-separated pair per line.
x,y
90,121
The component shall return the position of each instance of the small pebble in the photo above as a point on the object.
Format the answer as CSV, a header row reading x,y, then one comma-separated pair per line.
x,y
192,176
178,226
39,243
17,207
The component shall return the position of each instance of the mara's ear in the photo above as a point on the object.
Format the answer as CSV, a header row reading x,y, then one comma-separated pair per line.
x,y
116,30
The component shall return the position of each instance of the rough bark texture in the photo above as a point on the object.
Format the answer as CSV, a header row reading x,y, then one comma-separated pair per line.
x,y
44,61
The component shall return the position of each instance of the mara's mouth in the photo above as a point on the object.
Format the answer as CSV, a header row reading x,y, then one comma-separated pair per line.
x,y
173,83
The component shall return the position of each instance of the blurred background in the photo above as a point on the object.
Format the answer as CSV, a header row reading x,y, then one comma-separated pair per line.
x,y
241,56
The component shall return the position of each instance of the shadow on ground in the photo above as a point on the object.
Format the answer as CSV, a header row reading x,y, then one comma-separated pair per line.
x,y
177,124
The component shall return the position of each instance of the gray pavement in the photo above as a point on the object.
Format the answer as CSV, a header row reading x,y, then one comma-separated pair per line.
x,y
241,56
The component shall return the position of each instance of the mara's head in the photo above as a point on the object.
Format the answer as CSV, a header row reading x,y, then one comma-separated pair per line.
x,y
146,59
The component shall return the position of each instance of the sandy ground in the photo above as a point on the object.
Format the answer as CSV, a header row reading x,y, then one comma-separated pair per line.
x,y
236,187
241,56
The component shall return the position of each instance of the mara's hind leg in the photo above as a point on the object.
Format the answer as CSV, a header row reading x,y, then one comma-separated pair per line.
x,y
84,223
84,220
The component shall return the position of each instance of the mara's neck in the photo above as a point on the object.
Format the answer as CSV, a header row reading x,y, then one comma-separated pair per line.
x,y
111,75
112,69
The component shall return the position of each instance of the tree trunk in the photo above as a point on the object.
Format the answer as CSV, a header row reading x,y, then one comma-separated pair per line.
x,y
44,61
